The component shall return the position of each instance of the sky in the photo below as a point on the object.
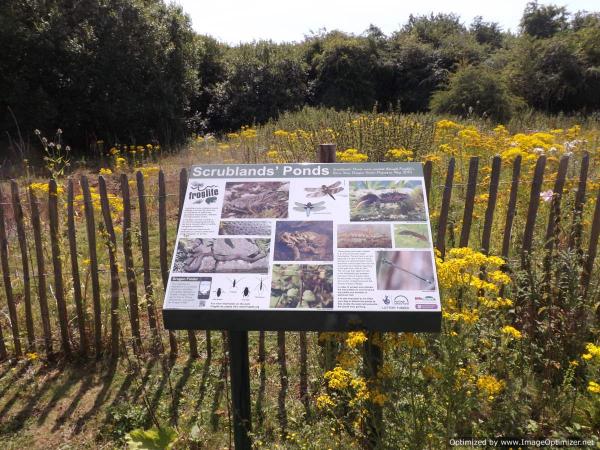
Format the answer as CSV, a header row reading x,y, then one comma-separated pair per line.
x,y
235,21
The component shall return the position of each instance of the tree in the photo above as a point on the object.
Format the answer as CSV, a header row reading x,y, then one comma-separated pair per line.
x,y
344,72
114,70
550,74
487,33
543,21
261,80
434,29
475,90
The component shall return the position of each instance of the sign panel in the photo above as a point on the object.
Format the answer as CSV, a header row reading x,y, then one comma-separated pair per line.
x,y
304,247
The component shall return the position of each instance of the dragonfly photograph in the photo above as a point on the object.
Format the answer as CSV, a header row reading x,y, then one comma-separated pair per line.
x,y
309,207
324,190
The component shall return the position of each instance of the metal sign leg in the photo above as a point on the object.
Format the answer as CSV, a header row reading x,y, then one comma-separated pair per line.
x,y
240,389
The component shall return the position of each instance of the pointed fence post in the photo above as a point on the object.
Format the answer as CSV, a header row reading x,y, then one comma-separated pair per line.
x,y
162,231
183,180
72,233
91,235
18,213
134,316
59,290
114,271
10,300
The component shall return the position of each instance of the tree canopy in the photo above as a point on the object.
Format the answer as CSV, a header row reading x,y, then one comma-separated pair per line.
x,y
127,71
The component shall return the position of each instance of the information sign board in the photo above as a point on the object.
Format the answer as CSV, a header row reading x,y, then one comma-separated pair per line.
x,y
304,247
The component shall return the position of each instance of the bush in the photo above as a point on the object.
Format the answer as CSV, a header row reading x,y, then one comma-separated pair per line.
x,y
476,90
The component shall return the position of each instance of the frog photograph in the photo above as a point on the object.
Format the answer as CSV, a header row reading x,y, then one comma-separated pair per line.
x,y
304,241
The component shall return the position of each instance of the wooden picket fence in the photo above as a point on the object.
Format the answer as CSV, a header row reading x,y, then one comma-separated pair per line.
x,y
21,217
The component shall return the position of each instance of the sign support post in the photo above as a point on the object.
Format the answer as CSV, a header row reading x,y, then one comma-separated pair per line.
x,y
373,354
240,388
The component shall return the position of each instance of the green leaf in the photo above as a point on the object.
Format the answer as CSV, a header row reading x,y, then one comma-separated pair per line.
x,y
152,439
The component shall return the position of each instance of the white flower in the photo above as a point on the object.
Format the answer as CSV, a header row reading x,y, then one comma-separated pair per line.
x,y
547,195
538,150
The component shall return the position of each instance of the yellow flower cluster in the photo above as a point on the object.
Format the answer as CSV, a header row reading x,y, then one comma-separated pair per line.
x,y
355,339
462,267
489,386
453,138
149,170
115,203
275,156
466,316
512,332
42,189
361,392
105,171
338,378
593,387
324,401
399,154
248,133
351,155
593,351
495,303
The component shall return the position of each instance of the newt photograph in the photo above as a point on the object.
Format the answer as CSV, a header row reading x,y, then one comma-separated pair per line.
x,y
364,236
378,201
411,235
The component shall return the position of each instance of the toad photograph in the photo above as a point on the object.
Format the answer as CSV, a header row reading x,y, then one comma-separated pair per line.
x,y
405,270
304,241
364,235
387,201
247,200
302,286
223,255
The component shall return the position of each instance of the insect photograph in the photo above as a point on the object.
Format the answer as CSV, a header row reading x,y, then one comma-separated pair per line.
x,y
411,235
405,270
387,201
309,207
323,190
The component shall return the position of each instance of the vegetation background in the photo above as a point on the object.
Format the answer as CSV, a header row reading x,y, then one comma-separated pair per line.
x,y
133,71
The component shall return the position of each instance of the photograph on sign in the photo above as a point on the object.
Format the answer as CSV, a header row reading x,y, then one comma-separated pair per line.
x,y
304,237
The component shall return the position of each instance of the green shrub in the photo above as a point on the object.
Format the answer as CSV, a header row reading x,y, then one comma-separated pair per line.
x,y
476,90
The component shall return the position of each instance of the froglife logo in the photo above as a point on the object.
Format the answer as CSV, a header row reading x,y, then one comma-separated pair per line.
x,y
201,193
